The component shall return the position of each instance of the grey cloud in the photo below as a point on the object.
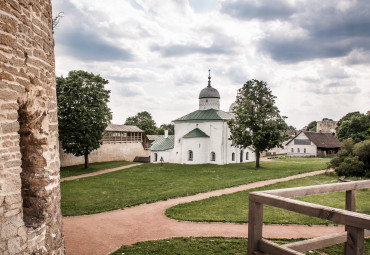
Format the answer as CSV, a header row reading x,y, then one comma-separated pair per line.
x,y
294,50
80,37
182,50
131,78
261,10
89,46
126,91
344,87
358,56
330,33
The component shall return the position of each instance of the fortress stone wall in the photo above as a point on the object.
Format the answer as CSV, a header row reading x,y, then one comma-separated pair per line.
x,y
30,216
107,152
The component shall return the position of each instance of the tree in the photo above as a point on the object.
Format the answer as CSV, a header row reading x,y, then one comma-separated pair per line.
x,y
170,127
257,120
312,126
144,121
353,159
83,114
354,125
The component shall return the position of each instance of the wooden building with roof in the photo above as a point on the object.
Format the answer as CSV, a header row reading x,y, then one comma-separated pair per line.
x,y
125,134
314,144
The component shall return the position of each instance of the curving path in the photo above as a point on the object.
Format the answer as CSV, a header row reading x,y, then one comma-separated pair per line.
x,y
70,178
105,232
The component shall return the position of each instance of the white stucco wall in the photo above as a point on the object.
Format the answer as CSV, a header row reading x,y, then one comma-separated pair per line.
x,y
218,142
209,103
311,150
166,155
106,152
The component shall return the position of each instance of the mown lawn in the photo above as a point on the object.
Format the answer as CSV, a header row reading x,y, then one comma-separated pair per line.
x,y
209,245
148,183
234,207
93,167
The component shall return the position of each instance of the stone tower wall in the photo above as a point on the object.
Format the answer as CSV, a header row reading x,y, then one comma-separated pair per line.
x,y
326,126
31,220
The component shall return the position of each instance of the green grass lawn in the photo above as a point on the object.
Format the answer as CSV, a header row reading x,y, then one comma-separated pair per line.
x,y
209,245
93,167
234,207
148,183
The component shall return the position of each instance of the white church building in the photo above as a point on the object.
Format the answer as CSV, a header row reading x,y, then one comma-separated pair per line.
x,y
201,136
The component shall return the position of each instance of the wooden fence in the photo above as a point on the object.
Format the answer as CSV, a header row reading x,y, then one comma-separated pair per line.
x,y
357,225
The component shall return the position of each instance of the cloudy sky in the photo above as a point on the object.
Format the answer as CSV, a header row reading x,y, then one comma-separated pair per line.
x,y
313,54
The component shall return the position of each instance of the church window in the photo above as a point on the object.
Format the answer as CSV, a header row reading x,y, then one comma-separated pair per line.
x,y
155,157
213,156
298,150
233,156
304,150
247,156
292,149
190,155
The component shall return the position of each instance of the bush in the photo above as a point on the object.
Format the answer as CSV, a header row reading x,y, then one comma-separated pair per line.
x,y
362,150
353,159
351,166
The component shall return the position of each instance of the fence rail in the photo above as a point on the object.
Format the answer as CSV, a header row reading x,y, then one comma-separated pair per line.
x,y
357,225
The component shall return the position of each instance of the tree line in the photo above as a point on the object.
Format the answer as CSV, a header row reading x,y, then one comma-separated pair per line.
x,y
145,122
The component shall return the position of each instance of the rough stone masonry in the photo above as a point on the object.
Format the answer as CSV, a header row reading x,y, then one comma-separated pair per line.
x,y
31,220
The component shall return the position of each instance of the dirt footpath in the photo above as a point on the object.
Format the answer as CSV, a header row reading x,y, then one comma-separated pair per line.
x,y
105,232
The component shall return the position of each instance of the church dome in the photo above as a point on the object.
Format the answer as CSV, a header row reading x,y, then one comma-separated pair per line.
x,y
232,106
209,92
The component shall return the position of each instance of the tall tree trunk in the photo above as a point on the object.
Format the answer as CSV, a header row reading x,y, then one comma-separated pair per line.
x,y
86,160
258,159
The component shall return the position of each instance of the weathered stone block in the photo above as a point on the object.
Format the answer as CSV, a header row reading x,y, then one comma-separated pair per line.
x,y
8,95
8,230
12,199
14,245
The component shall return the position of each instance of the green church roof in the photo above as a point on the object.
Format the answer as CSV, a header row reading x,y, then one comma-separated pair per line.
x,y
163,144
210,114
195,133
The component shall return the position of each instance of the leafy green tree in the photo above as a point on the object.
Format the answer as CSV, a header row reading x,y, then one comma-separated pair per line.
x,y
83,114
353,159
347,117
355,126
291,127
257,120
327,119
170,127
144,121
312,126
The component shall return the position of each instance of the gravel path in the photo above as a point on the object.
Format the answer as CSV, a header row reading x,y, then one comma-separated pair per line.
x,y
105,232
70,178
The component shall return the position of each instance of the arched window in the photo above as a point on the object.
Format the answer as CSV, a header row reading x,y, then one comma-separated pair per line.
x,y
233,156
213,156
190,155
247,155
304,150
155,157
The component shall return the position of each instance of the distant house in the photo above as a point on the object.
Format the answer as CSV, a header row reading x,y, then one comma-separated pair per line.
x,y
313,144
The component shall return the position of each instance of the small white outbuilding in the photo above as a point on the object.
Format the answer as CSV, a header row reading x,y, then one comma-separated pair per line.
x,y
201,136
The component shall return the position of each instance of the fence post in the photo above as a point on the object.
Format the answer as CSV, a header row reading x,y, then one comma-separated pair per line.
x,y
255,217
351,233
351,200
355,241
